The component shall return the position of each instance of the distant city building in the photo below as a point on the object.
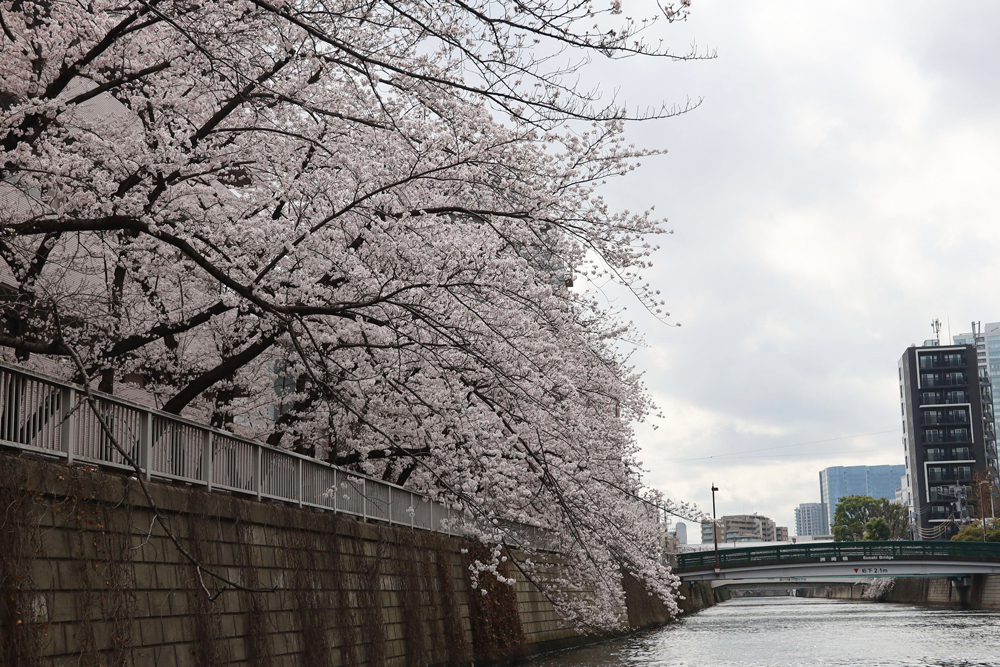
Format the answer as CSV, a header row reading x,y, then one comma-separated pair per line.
x,y
670,545
812,519
682,533
781,533
948,434
986,340
742,528
841,481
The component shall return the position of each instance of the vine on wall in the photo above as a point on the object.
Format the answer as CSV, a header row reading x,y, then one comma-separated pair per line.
x,y
82,514
102,552
370,571
209,648
345,609
497,633
414,600
455,644
256,641
118,602
21,629
310,598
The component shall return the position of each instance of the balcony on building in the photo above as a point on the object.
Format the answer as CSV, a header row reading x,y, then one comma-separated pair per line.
x,y
946,492
942,360
940,511
949,454
943,397
934,417
944,379
947,435
959,473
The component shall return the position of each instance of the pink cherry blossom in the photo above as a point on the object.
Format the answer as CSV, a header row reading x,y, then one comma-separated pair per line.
x,y
349,229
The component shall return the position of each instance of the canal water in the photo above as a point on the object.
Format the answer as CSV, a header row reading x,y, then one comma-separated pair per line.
x,y
779,632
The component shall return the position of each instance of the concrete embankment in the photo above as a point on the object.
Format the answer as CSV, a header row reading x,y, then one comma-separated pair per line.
x,y
981,591
700,595
89,577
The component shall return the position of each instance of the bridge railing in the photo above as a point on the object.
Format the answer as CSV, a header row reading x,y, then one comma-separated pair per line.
x,y
839,551
45,415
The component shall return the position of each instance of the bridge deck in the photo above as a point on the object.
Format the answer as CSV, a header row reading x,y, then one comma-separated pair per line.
x,y
905,558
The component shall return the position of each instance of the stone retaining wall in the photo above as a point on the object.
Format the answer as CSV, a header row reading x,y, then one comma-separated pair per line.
x,y
974,592
981,591
88,578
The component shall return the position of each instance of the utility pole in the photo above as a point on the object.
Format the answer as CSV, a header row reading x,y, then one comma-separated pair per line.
x,y
993,519
715,528
982,507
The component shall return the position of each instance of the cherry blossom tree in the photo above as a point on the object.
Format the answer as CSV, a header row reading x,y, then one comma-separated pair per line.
x,y
361,220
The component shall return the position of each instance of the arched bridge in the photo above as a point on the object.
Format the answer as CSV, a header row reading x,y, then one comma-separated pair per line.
x,y
841,560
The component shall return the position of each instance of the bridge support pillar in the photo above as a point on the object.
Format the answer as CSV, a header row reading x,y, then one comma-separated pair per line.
x,y
969,589
962,585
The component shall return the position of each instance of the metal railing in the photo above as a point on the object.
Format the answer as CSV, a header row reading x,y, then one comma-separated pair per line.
x,y
840,551
52,417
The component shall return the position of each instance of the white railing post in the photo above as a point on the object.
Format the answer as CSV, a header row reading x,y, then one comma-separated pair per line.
x,y
67,410
300,481
146,442
258,477
413,509
206,459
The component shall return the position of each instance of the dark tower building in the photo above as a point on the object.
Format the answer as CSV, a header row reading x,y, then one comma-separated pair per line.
x,y
948,436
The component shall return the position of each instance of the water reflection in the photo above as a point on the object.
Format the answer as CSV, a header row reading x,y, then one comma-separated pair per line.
x,y
778,632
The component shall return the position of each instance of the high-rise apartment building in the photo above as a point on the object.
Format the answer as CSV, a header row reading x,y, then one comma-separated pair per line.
x,y
948,434
812,519
743,528
840,481
681,531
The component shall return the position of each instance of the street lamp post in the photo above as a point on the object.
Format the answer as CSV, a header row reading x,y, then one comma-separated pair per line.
x,y
715,528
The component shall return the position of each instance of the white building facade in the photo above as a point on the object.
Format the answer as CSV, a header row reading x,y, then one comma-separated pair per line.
x,y
812,519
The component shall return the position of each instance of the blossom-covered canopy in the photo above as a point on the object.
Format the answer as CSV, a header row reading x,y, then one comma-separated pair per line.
x,y
348,228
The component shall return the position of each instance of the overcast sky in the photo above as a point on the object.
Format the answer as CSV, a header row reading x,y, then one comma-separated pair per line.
x,y
836,191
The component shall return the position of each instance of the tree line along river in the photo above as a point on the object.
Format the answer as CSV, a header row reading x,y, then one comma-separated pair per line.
x,y
775,632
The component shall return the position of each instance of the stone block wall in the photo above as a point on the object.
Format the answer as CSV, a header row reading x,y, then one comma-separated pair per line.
x,y
990,592
981,591
89,577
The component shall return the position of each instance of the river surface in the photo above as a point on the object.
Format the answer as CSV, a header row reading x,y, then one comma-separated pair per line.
x,y
754,632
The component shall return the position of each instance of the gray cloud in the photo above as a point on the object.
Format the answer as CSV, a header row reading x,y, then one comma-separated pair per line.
x,y
833,194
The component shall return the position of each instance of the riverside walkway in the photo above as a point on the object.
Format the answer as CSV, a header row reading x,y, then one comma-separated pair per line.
x,y
842,560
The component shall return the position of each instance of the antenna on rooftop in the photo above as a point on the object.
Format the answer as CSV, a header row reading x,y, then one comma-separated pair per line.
x,y
936,327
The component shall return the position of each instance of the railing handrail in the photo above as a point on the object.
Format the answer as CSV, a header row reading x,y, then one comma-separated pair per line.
x,y
57,432
191,422
787,552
